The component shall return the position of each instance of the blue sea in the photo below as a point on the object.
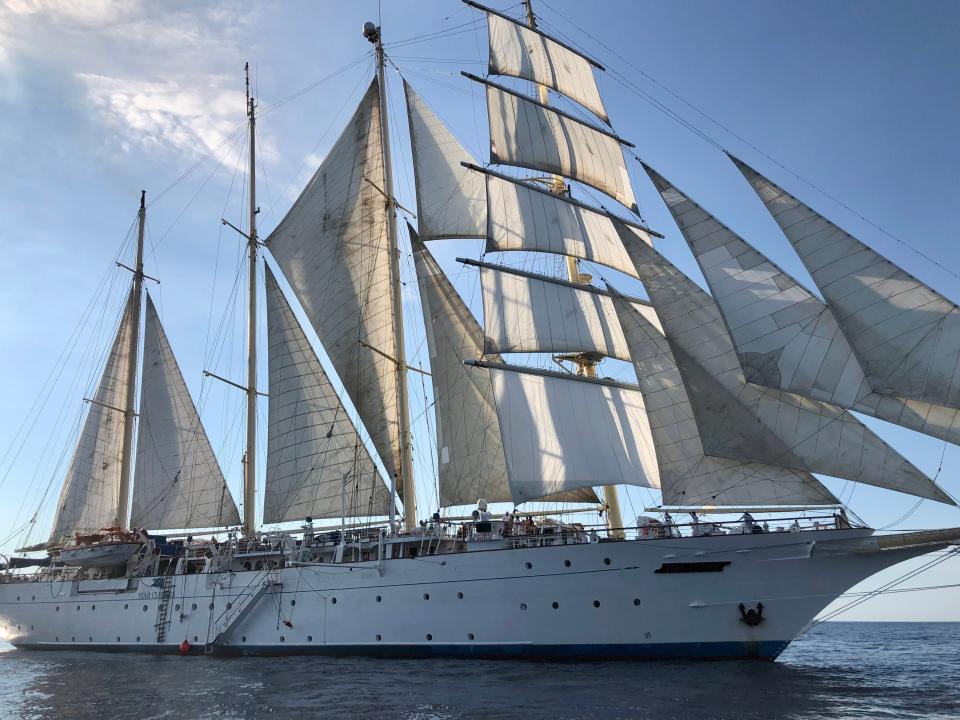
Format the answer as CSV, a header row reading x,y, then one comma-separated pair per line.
x,y
838,670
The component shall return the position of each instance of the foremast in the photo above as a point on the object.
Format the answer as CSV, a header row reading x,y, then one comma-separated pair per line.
x,y
586,363
129,410
406,484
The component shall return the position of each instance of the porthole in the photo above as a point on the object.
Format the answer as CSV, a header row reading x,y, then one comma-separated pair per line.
x,y
18,598
566,563
333,600
429,636
118,638
127,605
529,566
145,608
459,596
195,638
58,608
229,606
243,639
90,638
57,638
292,603
523,606
31,627
210,606
138,638
73,639
309,638
378,638
636,601
426,596
33,598
93,607
193,607
175,607
379,599
606,561
596,603
469,636
78,608
283,638
556,605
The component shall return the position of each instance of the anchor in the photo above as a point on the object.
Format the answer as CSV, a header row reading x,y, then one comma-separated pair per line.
x,y
752,617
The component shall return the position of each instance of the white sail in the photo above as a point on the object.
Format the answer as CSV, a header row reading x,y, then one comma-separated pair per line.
x,y
471,460
91,489
562,433
451,200
332,247
524,53
527,134
525,314
802,433
178,482
523,217
688,476
906,335
786,337
317,465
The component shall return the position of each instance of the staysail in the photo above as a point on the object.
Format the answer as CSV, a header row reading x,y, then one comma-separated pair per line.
x,y
786,337
333,249
90,495
178,482
802,434
688,475
451,200
906,335
317,465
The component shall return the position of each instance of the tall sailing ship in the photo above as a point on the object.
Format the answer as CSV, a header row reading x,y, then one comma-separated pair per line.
x,y
736,399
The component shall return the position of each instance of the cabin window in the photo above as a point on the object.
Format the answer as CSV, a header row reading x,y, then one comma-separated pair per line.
x,y
556,605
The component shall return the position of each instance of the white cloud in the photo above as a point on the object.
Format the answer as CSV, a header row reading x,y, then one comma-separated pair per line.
x,y
162,76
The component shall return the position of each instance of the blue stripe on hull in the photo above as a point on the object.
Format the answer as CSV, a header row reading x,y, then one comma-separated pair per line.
x,y
731,650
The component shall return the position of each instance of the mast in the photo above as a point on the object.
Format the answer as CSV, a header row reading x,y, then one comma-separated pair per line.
x,y
250,457
586,366
373,34
129,411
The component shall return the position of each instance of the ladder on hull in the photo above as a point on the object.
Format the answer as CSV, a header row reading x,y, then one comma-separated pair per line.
x,y
240,607
163,608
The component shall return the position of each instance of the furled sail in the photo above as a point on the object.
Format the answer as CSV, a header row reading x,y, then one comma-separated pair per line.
x,y
332,247
317,465
91,489
522,216
522,52
472,463
561,432
451,200
527,134
802,434
178,482
906,335
524,313
688,476
786,337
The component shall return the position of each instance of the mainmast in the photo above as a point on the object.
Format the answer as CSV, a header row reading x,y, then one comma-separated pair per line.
x,y
372,33
586,364
129,410
250,457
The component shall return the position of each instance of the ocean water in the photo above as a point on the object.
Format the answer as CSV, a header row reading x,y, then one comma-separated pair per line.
x,y
838,670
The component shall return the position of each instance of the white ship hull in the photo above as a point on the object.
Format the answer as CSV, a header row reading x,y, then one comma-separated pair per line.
x,y
583,600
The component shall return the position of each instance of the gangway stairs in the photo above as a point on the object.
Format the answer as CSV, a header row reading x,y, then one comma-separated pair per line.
x,y
163,608
241,606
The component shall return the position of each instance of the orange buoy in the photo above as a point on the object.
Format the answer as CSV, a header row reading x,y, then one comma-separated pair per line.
x,y
184,648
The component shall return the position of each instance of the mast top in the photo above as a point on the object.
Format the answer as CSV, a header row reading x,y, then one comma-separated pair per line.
x,y
371,32
143,199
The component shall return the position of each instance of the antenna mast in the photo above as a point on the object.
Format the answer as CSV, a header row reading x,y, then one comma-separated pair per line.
x,y
372,33
250,457
129,412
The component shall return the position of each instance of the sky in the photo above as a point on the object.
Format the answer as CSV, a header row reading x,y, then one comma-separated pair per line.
x,y
852,106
